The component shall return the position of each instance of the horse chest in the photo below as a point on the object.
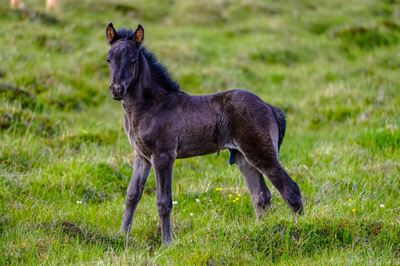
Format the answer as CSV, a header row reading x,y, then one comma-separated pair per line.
x,y
136,139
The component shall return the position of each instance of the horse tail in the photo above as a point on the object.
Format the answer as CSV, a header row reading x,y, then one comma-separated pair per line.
x,y
281,120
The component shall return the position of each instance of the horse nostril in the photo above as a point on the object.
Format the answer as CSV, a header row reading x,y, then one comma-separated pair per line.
x,y
117,90
115,87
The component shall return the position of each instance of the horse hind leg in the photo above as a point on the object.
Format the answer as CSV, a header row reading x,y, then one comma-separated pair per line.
x,y
265,159
287,187
260,194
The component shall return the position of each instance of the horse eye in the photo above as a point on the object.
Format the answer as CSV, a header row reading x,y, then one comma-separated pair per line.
x,y
108,60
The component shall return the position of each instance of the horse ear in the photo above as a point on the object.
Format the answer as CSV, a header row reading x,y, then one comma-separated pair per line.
x,y
139,34
111,33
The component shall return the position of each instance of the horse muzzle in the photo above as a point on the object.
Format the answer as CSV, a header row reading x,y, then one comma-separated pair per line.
x,y
117,91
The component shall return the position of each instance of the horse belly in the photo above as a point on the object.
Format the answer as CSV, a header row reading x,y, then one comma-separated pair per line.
x,y
191,145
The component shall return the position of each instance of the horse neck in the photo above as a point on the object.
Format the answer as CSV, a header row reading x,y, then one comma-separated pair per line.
x,y
146,89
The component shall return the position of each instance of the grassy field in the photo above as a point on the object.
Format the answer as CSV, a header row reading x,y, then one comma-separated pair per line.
x,y
65,161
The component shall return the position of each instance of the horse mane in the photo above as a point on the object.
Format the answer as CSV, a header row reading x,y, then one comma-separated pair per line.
x,y
163,77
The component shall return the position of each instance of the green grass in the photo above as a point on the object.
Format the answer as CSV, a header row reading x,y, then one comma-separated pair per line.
x,y
65,161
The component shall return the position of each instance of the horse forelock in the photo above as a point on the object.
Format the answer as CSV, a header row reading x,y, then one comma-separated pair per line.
x,y
126,34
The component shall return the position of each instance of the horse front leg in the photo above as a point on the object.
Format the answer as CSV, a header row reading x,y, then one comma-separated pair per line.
x,y
163,165
141,171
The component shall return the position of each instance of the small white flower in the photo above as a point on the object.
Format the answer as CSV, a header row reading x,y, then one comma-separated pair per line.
x,y
382,205
191,214
78,202
175,202
198,200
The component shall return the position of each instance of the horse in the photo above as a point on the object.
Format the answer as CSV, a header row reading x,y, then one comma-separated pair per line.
x,y
163,123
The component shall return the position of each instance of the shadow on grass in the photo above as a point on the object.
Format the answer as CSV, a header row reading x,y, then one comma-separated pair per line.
x,y
149,238
91,237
